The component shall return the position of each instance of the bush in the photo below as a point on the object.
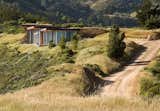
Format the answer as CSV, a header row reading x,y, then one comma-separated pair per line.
x,y
51,44
67,55
155,69
64,56
11,27
74,41
150,88
62,43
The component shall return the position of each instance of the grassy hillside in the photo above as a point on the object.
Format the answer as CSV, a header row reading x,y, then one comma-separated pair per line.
x,y
25,65
58,82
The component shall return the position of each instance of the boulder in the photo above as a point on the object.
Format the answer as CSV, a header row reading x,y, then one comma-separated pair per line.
x,y
92,83
154,36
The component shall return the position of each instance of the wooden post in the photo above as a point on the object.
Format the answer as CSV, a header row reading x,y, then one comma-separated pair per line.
x,y
41,38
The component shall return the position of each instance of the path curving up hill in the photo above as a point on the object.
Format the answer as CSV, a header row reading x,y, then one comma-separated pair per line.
x,y
124,81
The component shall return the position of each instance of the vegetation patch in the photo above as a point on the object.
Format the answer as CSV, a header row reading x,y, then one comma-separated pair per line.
x,y
21,70
150,87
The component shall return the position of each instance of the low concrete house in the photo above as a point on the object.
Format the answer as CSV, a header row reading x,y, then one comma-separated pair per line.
x,y
41,35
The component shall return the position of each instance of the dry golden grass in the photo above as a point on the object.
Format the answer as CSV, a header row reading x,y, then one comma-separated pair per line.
x,y
10,38
58,94
105,63
99,40
138,33
93,52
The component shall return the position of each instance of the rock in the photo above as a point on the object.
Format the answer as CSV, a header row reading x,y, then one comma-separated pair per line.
x,y
154,36
92,83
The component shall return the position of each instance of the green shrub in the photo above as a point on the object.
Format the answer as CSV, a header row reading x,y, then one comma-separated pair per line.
x,y
51,44
152,22
74,41
11,27
67,55
150,88
155,69
62,43
64,56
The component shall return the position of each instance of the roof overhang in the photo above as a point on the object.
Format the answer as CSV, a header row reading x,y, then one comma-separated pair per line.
x,y
48,27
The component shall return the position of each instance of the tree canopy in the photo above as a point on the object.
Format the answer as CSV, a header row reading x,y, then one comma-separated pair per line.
x,y
149,14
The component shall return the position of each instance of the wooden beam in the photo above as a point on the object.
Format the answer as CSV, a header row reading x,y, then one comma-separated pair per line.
x,y
44,29
30,28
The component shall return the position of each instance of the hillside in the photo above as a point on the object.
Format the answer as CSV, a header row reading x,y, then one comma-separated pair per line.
x,y
38,78
41,63
90,12
112,6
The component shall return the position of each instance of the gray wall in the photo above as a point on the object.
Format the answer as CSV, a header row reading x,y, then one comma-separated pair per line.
x,y
33,36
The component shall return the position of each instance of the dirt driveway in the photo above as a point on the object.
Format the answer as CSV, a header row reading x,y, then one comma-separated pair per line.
x,y
125,80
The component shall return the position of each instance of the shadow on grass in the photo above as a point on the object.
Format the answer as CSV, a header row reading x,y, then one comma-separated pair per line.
x,y
132,61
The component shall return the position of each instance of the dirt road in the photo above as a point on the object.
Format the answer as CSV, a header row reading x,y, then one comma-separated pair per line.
x,y
124,81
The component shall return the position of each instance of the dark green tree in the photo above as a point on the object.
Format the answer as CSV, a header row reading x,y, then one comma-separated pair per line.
x,y
116,44
149,14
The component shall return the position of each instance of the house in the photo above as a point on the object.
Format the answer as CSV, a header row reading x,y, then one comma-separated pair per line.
x,y
42,34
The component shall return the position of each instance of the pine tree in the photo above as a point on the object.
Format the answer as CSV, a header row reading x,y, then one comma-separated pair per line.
x,y
116,44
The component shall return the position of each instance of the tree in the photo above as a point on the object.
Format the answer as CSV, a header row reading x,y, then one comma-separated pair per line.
x,y
116,44
62,43
74,41
149,14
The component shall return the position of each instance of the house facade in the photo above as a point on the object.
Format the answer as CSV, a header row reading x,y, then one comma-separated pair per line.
x,y
41,35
